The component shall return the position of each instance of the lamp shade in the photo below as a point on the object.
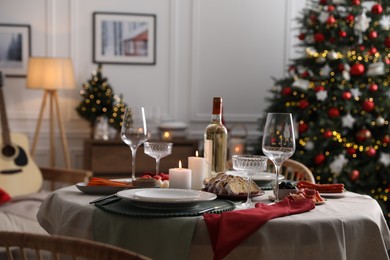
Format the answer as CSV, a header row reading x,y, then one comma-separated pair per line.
x,y
50,73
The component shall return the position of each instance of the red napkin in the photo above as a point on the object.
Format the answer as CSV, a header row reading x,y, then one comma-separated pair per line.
x,y
226,230
4,197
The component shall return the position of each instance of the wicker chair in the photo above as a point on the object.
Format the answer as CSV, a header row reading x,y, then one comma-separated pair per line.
x,y
16,245
294,171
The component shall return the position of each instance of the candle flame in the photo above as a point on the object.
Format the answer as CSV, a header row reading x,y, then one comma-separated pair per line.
x,y
196,153
179,164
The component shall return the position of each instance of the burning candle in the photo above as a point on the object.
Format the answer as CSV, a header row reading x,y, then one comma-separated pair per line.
x,y
197,165
180,178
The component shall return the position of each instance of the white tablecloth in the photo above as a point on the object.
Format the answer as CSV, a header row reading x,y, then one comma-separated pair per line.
x,y
349,227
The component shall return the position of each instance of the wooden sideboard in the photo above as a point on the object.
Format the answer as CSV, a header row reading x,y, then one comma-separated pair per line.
x,y
113,157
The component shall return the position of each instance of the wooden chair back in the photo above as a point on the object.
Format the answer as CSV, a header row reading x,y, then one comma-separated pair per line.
x,y
58,176
17,245
294,171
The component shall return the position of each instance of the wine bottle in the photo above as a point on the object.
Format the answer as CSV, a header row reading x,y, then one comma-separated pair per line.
x,y
215,142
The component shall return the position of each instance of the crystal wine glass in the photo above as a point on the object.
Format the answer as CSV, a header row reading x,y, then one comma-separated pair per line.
x,y
250,164
134,131
157,150
278,141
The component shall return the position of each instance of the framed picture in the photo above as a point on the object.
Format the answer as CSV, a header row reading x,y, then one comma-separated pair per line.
x,y
124,38
15,49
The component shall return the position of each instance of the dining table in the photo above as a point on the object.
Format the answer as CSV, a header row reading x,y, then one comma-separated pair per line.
x,y
346,226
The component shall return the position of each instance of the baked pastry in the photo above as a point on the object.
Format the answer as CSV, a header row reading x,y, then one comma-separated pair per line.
x,y
225,184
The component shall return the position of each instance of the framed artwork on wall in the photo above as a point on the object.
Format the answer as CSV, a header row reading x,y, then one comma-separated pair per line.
x,y
15,49
124,38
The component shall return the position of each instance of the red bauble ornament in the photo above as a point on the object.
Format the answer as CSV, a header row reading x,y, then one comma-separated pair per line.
x,y
350,18
313,18
286,91
387,42
372,34
331,8
319,159
341,67
362,48
373,87
386,139
323,2
363,135
319,37
319,88
351,150
354,175
301,36
355,2
331,20
302,128
328,134
357,69
305,74
368,105
303,104
346,95
333,112
343,34
370,152
377,9
372,51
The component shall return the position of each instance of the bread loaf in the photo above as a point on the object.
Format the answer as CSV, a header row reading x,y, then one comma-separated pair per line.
x,y
226,184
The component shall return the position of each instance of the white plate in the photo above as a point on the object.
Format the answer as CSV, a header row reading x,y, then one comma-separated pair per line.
x,y
167,195
333,195
171,196
262,176
102,190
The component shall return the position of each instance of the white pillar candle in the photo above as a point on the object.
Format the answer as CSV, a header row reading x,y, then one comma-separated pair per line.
x,y
180,178
197,165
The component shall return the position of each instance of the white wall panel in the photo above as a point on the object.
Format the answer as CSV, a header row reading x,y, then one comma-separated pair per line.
x,y
205,48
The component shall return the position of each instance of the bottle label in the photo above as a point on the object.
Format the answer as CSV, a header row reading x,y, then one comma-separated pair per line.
x,y
208,155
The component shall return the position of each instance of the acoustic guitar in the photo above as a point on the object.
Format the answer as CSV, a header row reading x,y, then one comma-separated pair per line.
x,y
19,175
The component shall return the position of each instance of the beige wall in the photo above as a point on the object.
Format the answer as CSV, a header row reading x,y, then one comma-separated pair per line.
x,y
205,48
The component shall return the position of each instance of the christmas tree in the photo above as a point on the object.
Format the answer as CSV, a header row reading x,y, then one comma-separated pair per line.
x,y
338,92
115,118
98,97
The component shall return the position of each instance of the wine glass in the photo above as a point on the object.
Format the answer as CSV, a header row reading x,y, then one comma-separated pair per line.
x,y
157,150
134,131
278,142
250,164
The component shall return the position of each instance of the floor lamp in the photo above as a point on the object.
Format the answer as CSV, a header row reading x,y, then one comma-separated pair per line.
x,y
51,74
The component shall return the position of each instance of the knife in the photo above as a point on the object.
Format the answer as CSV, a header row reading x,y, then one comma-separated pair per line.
x,y
103,198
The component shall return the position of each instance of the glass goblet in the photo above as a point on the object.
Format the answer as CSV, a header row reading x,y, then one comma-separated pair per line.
x,y
157,150
249,164
278,142
134,132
